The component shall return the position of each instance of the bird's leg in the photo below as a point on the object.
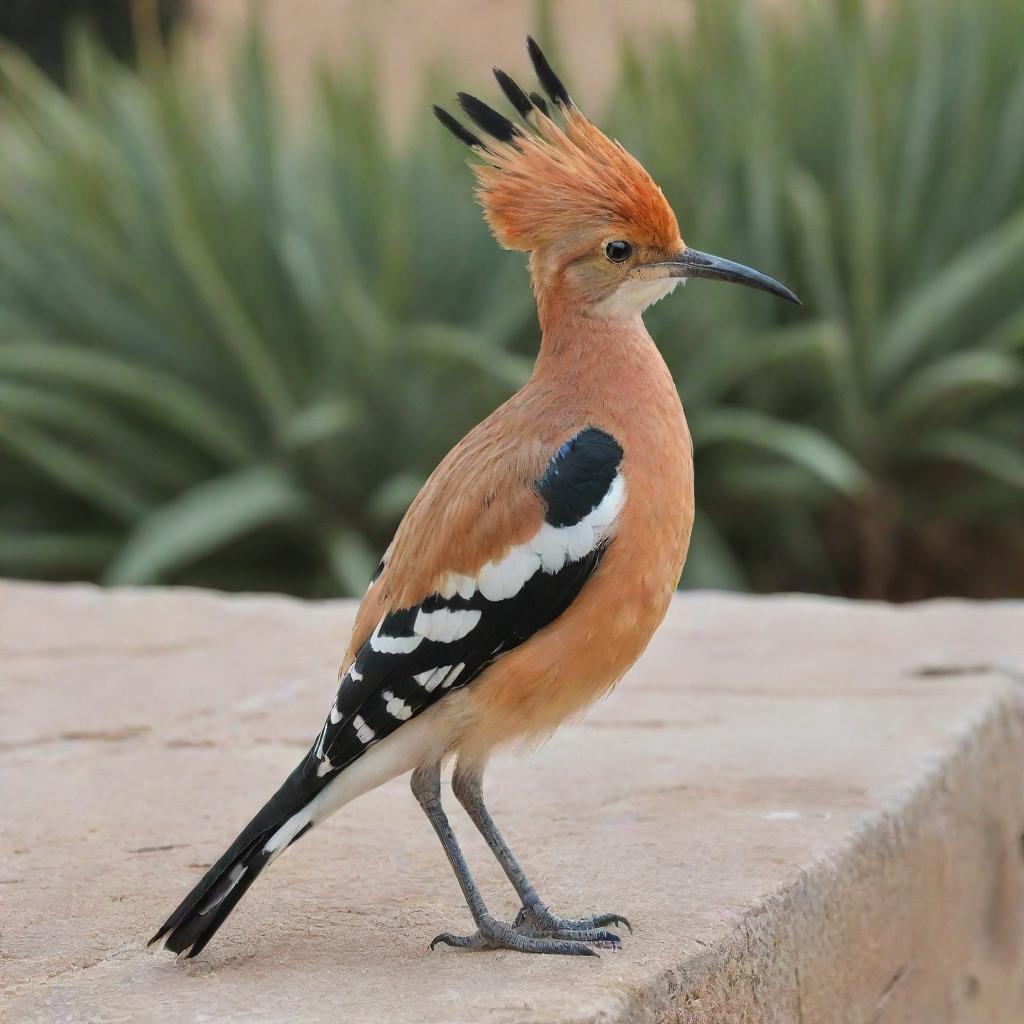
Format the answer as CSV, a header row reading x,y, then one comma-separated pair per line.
x,y
535,918
490,933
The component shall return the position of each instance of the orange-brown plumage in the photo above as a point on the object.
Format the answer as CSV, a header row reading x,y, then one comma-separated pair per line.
x,y
480,501
552,193
552,187
534,566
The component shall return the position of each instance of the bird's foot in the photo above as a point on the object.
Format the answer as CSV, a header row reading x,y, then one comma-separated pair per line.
x,y
494,934
540,921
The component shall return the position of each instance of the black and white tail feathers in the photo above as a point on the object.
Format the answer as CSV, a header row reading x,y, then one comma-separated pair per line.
x,y
283,819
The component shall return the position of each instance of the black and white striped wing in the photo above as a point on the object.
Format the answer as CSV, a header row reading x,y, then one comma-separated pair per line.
x,y
417,655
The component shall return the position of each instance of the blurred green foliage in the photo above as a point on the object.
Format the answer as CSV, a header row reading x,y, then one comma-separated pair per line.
x,y
230,353
40,28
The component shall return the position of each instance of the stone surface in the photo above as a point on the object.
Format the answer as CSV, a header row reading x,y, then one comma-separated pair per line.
x,y
813,811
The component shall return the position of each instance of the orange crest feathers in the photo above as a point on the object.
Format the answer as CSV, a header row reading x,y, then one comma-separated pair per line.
x,y
553,182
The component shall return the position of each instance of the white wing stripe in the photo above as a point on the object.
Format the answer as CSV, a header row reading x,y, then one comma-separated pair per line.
x,y
363,731
445,625
453,675
431,679
548,550
384,644
396,707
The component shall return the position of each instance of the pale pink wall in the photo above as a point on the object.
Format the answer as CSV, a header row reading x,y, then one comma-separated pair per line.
x,y
407,34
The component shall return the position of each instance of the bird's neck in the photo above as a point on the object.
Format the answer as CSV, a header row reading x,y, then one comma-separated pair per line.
x,y
596,371
608,373
582,351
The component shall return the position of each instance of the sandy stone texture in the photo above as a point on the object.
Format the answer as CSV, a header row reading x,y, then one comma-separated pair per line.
x,y
813,811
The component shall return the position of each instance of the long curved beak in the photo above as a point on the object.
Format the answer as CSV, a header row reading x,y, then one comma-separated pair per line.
x,y
693,263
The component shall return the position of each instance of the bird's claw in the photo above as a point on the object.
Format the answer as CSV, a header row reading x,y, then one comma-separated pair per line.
x,y
494,934
474,941
540,920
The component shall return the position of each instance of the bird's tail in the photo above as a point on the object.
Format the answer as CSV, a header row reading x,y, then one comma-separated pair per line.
x,y
285,817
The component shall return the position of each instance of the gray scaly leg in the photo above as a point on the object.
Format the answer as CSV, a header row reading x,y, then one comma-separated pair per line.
x,y
535,918
490,933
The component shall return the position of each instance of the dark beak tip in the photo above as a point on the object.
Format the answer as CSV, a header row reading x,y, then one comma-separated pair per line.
x,y
702,264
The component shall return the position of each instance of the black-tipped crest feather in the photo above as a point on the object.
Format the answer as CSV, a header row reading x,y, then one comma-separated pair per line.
x,y
540,103
514,94
487,118
548,79
495,123
460,132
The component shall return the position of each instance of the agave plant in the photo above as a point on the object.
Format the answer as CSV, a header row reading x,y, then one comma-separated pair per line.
x,y
225,356
874,160
230,352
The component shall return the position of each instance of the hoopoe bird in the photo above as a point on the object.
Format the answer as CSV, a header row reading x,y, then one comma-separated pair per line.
x,y
533,567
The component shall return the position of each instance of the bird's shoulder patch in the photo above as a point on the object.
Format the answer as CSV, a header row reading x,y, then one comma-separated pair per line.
x,y
579,476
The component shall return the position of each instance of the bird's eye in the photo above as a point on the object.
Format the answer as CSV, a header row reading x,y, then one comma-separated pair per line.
x,y
618,252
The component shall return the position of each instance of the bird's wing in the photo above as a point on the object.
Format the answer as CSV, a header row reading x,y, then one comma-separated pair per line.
x,y
492,556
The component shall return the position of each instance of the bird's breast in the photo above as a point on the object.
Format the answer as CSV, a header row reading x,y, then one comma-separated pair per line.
x,y
653,532
565,667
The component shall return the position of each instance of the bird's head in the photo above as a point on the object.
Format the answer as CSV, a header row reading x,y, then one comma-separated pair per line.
x,y
598,229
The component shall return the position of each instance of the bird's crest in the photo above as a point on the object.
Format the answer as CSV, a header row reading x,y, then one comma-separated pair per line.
x,y
547,182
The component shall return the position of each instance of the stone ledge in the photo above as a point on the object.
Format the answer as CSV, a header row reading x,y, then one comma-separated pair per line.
x,y
812,810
